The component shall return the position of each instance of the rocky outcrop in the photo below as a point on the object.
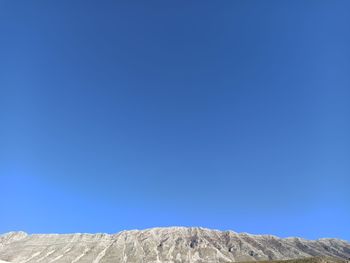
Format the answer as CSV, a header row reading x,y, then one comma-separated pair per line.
x,y
173,244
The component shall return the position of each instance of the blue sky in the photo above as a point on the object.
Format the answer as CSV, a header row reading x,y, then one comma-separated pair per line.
x,y
133,114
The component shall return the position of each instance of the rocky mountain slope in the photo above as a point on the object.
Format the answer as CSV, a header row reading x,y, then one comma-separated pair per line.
x,y
305,260
173,244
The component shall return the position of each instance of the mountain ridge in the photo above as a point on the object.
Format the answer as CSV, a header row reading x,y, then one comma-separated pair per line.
x,y
164,244
177,227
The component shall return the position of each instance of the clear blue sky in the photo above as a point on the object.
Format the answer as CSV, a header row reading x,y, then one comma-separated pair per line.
x,y
133,114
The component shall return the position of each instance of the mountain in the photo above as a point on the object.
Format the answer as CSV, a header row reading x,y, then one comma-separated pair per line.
x,y
173,244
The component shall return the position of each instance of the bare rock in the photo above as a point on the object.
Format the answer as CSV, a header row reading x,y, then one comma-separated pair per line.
x,y
166,245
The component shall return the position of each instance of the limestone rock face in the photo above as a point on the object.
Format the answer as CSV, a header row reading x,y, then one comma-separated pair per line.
x,y
166,245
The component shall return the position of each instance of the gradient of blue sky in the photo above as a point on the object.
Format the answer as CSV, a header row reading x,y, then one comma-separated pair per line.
x,y
133,114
